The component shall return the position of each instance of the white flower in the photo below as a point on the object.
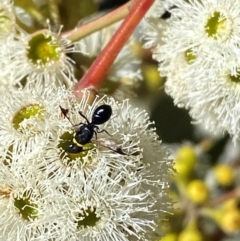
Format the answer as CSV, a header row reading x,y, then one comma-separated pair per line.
x,y
42,58
200,58
10,33
216,100
210,29
26,121
27,201
209,26
106,208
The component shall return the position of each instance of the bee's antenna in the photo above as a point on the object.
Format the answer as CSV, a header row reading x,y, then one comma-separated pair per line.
x,y
65,113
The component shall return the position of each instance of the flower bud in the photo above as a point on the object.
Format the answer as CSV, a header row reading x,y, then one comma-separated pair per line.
x,y
230,221
190,233
185,161
224,175
197,191
169,237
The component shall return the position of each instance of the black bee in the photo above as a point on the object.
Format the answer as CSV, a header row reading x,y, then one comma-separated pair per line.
x,y
85,131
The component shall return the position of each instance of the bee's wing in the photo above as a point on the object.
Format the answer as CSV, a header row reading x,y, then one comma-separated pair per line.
x,y
110,144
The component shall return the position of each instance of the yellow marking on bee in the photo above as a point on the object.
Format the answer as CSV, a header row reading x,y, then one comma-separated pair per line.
x,y
76,143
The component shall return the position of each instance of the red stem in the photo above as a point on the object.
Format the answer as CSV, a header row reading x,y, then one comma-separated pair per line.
x,y
96,73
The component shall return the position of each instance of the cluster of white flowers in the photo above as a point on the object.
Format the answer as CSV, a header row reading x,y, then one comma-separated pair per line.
x,y
39,58
199,54
43,57
112,188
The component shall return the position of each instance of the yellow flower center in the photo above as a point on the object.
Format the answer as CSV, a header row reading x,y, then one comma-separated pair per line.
x,y
88,218
235,78
190,56
43,49
26,207
26,112
216,26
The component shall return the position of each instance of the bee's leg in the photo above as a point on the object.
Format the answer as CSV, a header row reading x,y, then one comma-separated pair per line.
x,y
103,130
81,114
